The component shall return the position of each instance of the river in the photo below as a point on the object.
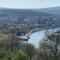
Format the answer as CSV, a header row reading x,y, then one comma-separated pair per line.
x,y
40,35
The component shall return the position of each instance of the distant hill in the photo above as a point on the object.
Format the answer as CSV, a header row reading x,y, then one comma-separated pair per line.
x,y
52,10
21,12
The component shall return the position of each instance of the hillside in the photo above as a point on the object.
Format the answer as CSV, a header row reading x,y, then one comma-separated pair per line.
x,y
21,11
51,10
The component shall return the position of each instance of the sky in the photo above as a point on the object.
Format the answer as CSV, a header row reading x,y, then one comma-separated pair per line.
x,y
29,4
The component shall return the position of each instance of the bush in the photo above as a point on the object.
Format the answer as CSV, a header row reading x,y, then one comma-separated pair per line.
x,y
20,56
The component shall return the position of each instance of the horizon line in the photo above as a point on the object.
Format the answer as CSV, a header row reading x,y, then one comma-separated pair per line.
x,y
28,8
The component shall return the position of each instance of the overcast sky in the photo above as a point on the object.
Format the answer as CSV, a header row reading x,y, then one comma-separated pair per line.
x,y
29,4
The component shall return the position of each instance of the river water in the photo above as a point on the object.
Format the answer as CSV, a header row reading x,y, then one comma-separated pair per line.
x,y
40,35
